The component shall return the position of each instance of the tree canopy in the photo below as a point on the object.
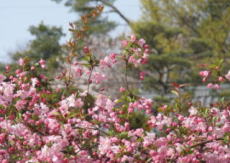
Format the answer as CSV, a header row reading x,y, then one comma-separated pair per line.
x,y
45,45
183,34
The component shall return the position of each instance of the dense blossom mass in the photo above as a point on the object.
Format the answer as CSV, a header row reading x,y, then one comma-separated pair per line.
x,y
42,123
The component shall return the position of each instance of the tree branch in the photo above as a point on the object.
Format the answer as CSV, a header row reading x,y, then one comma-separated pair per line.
x,y
116,10
205,142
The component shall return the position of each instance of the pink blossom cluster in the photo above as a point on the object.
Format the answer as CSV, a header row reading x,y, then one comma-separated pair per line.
x,y
136,51
204,74
216,80
40,123
109,60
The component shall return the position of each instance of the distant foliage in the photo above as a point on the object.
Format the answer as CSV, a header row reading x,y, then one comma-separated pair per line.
x,y
41,121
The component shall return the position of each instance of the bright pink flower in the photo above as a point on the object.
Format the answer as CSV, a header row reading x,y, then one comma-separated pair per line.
x,y
122,89
142,75
21,62
204,74
42,63
108,61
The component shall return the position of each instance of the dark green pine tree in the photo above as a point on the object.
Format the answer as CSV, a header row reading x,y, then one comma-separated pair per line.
x,y
45,45
100,25
183,34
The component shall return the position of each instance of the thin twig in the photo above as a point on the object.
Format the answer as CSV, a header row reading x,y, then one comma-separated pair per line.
x,y
92,68
126,75
116,10
205,142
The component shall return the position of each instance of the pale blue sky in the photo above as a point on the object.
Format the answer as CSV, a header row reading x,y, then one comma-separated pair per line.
x,y
17,15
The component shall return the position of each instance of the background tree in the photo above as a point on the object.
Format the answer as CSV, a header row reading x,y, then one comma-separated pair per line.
x,y
184,34
98,31
45,45
101,25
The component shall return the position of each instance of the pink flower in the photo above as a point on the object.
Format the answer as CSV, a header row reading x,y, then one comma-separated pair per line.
x,y
45,123
32,68
193,111
138,132
50,154
213,86
126,158
141,42
124,43
2,137
210,85
78,71
52,125
79,103
227,76
133,38
106,146
122,89
42,63
220,78
226,127
108,61
104,102
149,139
216,86
204,75
7,67
21,62
142,75
133,60
2,77
98,77
145,56
86,49
34,81
69,101
20,104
